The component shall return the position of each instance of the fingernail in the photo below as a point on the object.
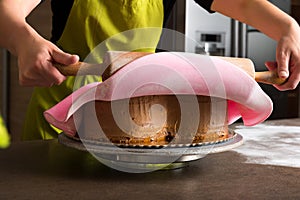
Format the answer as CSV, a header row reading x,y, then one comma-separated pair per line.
x,y
283,74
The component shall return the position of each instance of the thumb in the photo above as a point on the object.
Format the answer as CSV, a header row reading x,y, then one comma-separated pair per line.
x,y
283,67
64,58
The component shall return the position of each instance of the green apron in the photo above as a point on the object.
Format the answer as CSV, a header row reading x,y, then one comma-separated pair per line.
x,y
94,23
4,136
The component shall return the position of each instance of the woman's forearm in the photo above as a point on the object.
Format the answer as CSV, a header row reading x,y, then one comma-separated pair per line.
x,y
13,22
260,14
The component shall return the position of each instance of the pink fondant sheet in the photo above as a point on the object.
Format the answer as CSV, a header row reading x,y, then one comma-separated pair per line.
x,y
172,73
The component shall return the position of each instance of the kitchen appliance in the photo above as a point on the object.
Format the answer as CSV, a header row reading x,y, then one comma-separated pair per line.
x,y
206,33
210,43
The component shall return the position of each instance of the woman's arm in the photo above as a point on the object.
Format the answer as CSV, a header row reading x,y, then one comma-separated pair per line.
x,y
35,54
13,22
277,25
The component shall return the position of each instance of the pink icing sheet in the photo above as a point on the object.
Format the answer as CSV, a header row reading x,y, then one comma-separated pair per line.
x,y
172,73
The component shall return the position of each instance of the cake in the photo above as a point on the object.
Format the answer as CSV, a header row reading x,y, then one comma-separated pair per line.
x,y
155,120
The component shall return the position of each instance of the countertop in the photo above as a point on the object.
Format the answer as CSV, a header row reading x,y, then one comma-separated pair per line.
x,y
50,170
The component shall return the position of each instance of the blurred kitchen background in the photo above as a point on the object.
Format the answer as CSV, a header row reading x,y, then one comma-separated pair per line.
x,y
213,34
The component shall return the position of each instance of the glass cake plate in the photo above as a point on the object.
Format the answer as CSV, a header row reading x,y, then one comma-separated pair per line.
x,y
142,158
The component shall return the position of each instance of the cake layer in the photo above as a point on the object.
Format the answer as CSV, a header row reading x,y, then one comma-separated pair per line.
x,y
155,119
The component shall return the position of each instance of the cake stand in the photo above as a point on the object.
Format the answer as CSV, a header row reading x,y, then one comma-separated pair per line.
x,y
144,158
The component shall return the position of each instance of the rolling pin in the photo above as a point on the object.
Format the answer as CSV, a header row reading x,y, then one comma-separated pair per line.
x,y
112,62
115,60
266,77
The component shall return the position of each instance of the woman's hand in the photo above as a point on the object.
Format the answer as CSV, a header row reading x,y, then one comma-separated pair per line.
x,y
288,59
35,60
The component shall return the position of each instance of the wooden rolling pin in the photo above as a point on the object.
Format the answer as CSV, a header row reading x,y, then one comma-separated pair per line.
x,y
112,62
115,60
267,77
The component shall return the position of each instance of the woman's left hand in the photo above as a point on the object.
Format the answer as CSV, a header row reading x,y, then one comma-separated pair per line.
x,y
288,59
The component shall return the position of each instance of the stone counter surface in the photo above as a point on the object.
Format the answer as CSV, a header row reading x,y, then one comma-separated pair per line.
x,y
49,170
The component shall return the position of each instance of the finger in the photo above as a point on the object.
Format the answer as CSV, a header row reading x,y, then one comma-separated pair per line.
x,y
64,58
283,64
52,75
46,76
56,78
30,77
291,83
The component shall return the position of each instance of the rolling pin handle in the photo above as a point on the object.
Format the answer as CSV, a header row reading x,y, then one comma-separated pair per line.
x,y
269,77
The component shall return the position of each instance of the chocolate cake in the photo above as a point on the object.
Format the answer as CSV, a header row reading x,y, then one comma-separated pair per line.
x,y
155,120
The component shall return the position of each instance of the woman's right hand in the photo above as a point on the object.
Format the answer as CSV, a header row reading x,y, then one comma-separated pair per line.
x,y
35,60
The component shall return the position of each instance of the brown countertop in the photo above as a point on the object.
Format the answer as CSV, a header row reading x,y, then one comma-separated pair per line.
x,y
49,170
